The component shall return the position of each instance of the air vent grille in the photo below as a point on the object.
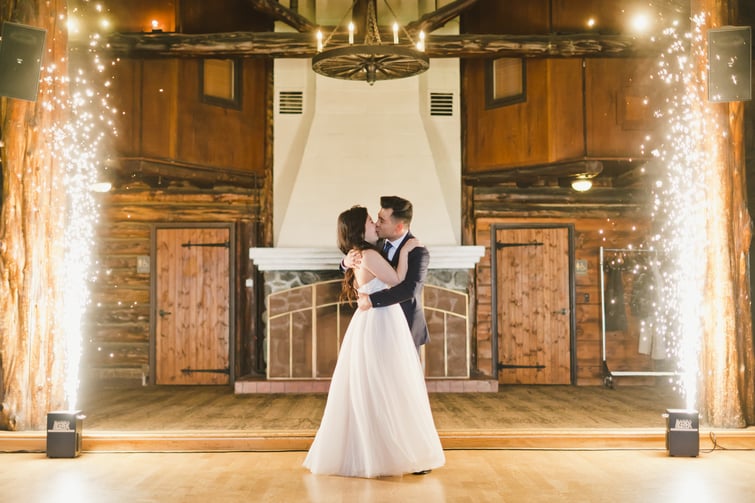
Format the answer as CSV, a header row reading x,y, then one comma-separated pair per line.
x,y
442,104
290,102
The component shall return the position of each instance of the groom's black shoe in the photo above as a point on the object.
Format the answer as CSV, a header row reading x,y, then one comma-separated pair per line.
x,y
422,472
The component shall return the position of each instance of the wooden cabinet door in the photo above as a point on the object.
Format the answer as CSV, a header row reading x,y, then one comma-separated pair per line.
x,y
534,305
192,306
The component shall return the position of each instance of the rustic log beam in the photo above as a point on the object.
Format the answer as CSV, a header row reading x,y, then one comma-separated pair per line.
x,y
586,168
438,18
283,14
156,173
303,45
594,212
498,197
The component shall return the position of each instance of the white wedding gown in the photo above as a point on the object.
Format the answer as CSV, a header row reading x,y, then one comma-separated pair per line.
x,y
377,420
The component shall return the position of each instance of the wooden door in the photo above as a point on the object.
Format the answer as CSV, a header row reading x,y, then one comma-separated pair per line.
x,y
192,306
534,305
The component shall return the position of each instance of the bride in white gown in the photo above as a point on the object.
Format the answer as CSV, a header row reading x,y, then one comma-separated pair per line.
x,y
377,420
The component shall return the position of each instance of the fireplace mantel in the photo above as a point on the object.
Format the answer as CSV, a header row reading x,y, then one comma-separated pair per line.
x,y
323,259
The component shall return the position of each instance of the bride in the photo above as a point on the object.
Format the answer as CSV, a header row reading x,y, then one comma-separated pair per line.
x,y
377,419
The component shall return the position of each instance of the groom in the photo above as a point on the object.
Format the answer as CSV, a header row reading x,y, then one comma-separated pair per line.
x,y
394,219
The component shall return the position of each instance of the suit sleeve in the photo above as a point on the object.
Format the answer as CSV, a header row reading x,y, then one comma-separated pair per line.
x,y
418,260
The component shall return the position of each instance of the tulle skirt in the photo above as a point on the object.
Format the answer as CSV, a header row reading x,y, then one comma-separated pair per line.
x,y
377,420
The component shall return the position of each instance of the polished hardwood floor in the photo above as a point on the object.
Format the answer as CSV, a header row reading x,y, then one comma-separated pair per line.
x,y
524,443
477,476
213,418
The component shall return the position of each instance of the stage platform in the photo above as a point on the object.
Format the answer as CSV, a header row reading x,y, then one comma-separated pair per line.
x,y
215,419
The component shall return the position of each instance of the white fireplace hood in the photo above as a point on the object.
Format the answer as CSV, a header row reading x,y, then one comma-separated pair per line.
x,y
338,143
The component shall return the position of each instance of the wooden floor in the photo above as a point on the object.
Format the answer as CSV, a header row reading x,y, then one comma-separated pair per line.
x,y
161,408
211,418
524,443
478,476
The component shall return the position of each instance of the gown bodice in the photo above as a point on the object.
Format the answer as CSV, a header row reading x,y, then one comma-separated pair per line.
x,y
372,286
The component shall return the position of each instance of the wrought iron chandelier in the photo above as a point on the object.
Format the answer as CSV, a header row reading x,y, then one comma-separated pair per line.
x,y
372,60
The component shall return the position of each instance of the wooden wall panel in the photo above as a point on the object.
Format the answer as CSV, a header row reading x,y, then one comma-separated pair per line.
x,y
201,16
565,105
571,16
221,137
164,118
126,100
159,103
137,15
619,101
549,16
617,122
544,129
516,18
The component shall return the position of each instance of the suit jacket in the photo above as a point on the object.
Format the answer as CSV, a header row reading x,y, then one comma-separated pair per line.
x,y
409,292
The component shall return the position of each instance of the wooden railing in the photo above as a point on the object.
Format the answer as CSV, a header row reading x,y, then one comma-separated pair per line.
x,y
306,325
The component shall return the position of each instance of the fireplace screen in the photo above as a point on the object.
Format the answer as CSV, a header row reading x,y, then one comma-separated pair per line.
x,y
306,325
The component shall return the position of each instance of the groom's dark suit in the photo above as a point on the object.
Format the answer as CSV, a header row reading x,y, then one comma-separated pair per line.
x,y
409,291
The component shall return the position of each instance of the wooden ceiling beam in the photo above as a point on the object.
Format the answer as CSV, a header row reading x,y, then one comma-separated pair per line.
x,y
438,18
303,45
283,14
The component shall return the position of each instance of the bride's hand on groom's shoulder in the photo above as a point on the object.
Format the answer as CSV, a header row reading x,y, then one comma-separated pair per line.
x,y
411,244
353,259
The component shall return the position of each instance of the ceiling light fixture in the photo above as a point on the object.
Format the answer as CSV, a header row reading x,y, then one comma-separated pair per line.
x,y
372,60
581,184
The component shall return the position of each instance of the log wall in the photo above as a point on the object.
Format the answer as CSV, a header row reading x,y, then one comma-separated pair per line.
x,y
180,159
118,330
590,234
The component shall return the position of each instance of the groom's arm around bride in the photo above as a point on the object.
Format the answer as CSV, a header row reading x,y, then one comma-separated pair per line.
x,y
394,220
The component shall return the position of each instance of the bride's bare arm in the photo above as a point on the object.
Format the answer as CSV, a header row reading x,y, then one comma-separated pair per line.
x,y
379,267
382,269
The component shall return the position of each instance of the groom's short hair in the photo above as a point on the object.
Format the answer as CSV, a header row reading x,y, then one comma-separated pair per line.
x,y
402,209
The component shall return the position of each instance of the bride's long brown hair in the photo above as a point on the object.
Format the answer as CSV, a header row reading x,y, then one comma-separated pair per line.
x,y
351,236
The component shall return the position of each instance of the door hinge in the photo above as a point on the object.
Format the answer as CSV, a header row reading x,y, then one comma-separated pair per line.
x,y
502,366
190,371
225,244
499,245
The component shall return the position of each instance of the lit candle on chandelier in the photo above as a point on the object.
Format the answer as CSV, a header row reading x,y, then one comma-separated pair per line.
x,y
351,33
319,41
395,33
421,43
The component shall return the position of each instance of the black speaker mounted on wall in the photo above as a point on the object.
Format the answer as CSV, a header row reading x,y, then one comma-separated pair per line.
x,y
21,49
730,64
